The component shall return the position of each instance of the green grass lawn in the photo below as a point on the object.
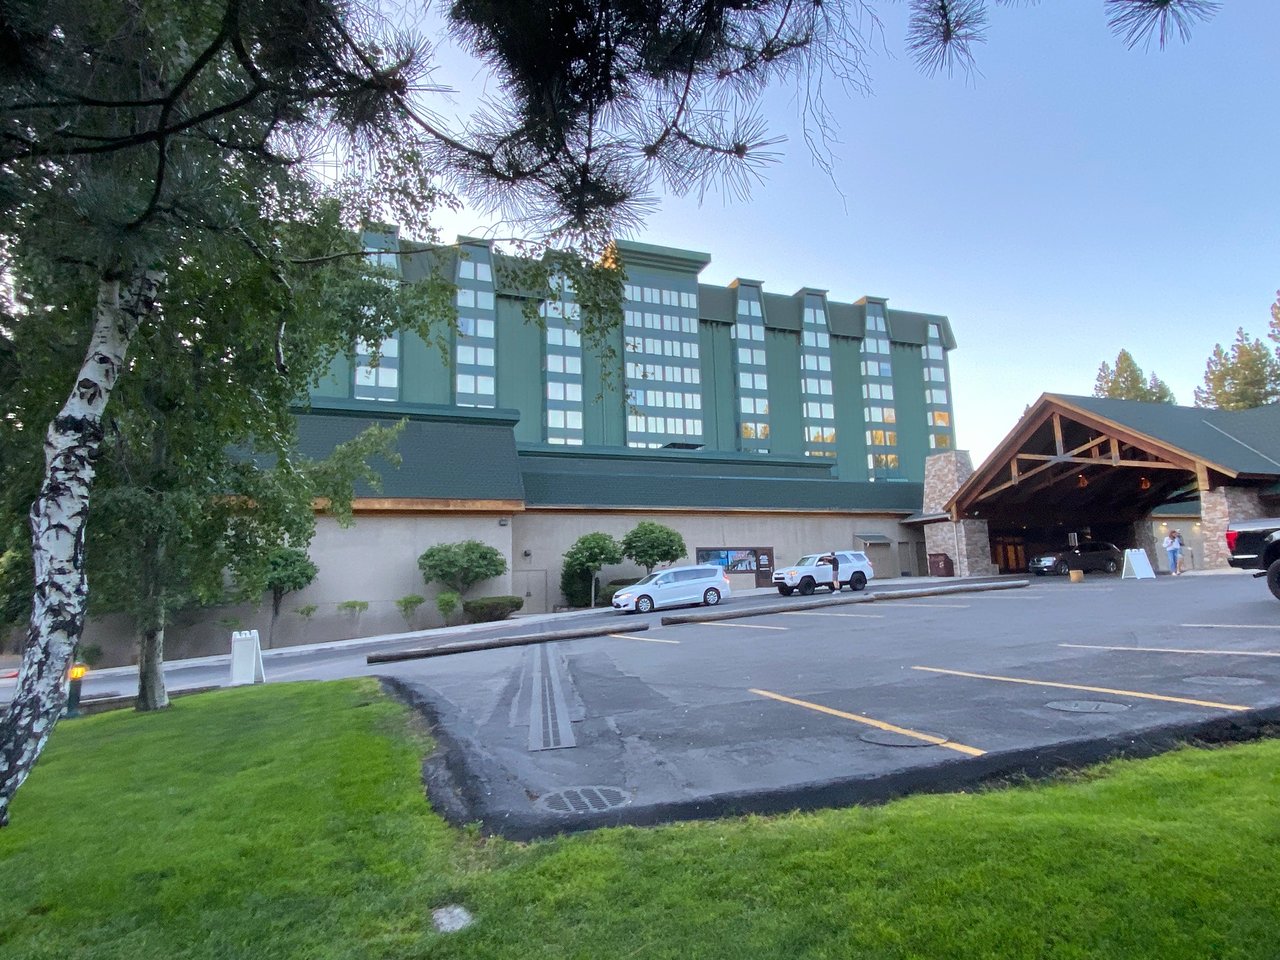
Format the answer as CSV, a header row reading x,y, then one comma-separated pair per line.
x,y
288,821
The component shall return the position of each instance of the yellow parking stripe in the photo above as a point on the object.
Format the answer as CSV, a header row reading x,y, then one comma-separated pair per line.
x,y
1225,653
623,636
878,724
1076,686
743,626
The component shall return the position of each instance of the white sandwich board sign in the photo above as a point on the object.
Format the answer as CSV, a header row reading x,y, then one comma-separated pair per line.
x,y
246,658
1137,566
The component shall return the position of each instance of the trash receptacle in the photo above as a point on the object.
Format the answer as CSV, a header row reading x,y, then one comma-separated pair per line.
x,y
941,565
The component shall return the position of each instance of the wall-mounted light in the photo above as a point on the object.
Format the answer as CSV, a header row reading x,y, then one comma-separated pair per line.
x,y
503,521
1144,484
1082,481
527,554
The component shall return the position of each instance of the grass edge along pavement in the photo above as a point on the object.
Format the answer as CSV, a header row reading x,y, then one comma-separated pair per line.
x,y
289,821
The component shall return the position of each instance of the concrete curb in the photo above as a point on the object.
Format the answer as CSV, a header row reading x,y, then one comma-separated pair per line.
x,y
837,600
522,641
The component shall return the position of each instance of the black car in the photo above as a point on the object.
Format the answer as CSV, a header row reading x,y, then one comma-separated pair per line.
x,y
1094,555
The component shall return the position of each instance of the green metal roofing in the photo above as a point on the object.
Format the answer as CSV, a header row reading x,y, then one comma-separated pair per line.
x,y
1242,441
782,312
675,465
444,456
717,303
908,327
617,490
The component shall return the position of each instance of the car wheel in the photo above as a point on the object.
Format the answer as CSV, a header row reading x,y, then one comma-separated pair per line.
x,y
786,591
806,587
858,581
1110,566
1062,569
711,597
1273,579
644,605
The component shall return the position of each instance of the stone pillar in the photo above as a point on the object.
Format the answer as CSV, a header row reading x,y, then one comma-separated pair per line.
x,y
967,543
1220,507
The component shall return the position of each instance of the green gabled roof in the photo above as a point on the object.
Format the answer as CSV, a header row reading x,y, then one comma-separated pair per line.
x,y
622,490
1239,441
445,454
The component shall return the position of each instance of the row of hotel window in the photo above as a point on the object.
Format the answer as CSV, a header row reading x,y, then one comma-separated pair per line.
x,y
479,388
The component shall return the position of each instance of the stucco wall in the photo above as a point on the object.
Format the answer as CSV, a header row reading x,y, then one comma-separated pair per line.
x,y
546,535
376,561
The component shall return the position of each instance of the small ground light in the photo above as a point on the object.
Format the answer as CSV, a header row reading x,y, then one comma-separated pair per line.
x,y
74,676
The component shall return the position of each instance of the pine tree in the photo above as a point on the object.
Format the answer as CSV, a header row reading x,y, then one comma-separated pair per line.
x,y
1246,376
1126,381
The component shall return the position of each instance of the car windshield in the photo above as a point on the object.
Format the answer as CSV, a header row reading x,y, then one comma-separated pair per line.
x,y
649,579
809,561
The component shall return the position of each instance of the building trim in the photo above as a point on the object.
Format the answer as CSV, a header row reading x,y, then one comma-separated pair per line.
x,y
405,505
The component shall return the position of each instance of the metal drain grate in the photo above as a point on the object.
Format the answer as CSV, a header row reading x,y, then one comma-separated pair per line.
x,y
584,800
1087,706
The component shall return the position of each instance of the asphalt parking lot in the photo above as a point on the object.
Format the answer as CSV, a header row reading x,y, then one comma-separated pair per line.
x,y
856,703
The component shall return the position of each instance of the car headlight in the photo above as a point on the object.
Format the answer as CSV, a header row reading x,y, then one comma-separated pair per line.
x,y
622,596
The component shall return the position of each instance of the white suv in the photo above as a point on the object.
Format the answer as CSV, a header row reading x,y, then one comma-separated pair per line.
x,y
806,574
673,587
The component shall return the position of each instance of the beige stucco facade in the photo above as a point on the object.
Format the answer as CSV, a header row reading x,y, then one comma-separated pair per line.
x,y
375,561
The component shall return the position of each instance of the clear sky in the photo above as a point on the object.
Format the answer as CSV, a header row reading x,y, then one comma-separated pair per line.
x,y
1072,199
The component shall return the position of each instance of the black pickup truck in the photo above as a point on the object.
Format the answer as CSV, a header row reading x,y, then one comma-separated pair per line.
x,y
1255,545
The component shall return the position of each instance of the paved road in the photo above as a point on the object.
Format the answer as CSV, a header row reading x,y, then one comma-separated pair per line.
x,y
851,703
347,658
829,706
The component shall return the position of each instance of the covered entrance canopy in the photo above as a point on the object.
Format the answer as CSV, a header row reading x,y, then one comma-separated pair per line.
x,y
1098,466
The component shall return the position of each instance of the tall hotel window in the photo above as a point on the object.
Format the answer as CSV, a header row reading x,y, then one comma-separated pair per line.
x,y
377,374
475,351
663,372
937,392
815,381
753,380
878,408
563,368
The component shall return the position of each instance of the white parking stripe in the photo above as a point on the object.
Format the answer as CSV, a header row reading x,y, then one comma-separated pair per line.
x,y
743,626
930,606
819,613
1233,626
1225,653
624,636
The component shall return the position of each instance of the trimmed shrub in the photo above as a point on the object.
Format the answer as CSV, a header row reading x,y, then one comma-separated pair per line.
x,y
486,609
447,603
582,562
650,544
459,566
612,587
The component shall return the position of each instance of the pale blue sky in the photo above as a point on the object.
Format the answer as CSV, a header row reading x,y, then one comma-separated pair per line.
x,y
1072,199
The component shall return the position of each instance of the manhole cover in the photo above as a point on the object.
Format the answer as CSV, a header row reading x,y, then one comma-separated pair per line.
x,y
1087,706
584,800
887,738
1225,681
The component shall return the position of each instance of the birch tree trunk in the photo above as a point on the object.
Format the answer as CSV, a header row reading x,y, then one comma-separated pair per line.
x,y
58,518
152,694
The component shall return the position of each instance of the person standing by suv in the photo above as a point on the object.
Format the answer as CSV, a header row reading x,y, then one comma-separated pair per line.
x,y
835,572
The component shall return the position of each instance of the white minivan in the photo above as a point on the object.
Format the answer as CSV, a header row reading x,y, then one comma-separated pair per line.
x,y
672,588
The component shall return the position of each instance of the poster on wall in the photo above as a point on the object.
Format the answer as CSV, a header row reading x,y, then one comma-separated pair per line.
x,y
742,561
718,558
